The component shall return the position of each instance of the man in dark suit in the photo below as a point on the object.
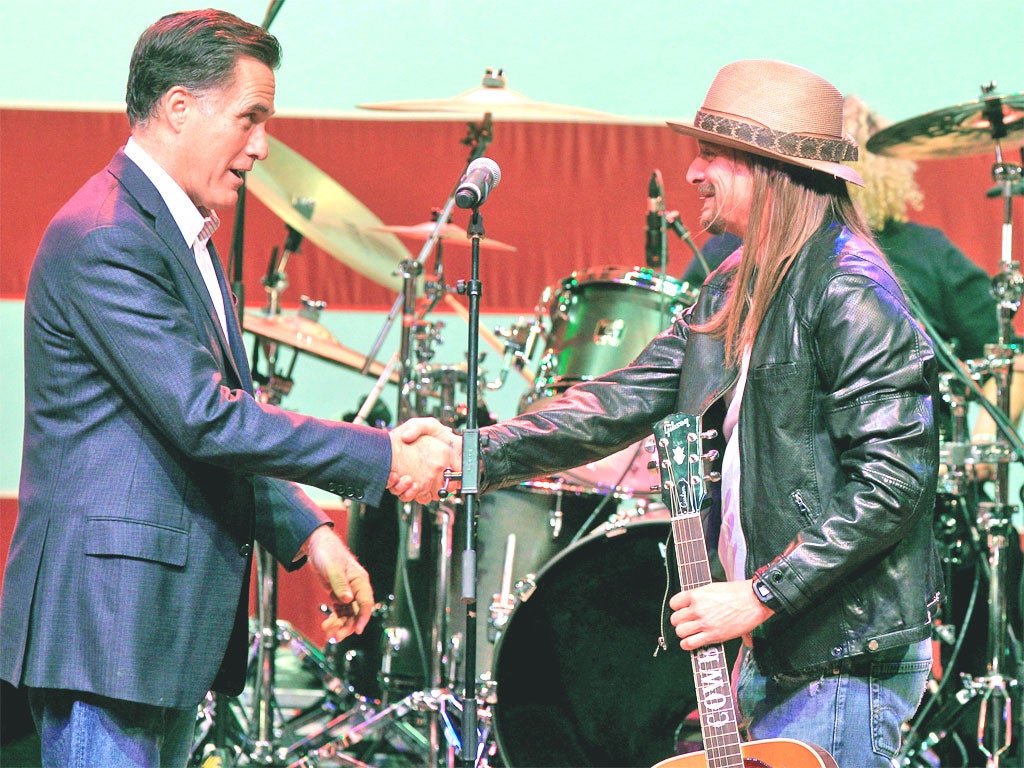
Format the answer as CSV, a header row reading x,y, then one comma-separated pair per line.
x,y
149,469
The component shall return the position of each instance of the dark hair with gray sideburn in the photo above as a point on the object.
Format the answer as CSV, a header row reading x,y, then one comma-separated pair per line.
x,y
197,50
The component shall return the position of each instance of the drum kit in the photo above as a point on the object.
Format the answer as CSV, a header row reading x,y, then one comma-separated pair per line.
x,y
552,548
975,724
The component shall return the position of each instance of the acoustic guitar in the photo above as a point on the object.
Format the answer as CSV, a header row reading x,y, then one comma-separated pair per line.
x,y
679,442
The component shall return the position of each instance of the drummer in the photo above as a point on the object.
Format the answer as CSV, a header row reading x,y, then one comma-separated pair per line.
x,y
802,353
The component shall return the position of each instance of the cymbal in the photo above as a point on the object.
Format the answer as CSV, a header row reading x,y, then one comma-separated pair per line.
x,y
452,233
308,336
495,98
955,131
289,185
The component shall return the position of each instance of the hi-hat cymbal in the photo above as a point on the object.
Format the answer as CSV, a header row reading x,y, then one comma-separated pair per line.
x,y
964,129
495,98
290,185
308,336
450,233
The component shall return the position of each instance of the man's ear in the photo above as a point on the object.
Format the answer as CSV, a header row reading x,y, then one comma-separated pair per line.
x,y
175,105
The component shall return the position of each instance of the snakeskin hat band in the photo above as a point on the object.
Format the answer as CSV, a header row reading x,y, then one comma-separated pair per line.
x,y
777,110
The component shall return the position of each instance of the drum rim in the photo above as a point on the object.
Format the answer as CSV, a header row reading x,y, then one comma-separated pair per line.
x,y
635,276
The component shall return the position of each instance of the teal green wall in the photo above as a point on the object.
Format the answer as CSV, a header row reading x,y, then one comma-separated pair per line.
x,y
652,58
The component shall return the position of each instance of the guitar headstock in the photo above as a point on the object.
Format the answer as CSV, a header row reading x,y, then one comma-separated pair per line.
x,y
679,440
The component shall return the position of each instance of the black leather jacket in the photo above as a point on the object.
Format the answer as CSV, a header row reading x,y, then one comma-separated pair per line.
x,y
838,447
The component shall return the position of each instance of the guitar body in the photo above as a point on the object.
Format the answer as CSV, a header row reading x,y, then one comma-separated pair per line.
x,y
765,753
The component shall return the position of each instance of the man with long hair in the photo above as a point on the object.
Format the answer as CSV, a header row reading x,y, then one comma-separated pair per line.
x,y
801,352
953,292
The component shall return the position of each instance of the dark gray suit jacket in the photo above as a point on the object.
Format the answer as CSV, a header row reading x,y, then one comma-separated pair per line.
x,y
148,465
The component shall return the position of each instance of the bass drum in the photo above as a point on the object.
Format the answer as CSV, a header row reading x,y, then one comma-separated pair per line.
x,y
518,530
578,682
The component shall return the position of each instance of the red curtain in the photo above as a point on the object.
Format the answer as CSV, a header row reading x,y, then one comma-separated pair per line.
x,y
572,196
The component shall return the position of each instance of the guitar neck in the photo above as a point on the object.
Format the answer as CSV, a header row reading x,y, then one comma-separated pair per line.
x,y
679,451
718,726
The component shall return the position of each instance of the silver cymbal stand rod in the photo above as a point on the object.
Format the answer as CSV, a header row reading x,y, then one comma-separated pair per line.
x,y
995,727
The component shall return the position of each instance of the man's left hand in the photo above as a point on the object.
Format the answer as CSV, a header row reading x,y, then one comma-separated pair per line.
x,y
347,581
715,613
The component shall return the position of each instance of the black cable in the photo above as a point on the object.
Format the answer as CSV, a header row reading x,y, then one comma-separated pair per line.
x,y
945,355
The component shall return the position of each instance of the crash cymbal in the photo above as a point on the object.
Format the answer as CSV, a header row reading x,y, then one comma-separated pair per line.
x,y
451,233
290,185
964,129
308,336
495,98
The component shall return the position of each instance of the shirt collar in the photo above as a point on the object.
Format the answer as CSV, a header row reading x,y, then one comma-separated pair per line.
x,y
191,221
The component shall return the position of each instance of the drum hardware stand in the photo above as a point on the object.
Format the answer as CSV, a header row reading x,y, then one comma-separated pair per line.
x,y
520,343
997,687
436,701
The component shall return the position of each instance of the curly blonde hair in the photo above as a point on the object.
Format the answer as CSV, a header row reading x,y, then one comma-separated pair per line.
x,y
889,185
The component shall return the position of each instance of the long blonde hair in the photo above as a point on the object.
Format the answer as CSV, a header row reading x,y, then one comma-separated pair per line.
x,y
788,205
889,185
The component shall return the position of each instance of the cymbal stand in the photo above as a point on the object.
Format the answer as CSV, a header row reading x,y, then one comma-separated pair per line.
x,y
996,689
996,715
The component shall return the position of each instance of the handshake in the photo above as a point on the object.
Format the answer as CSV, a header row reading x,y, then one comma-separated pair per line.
x,y
421,450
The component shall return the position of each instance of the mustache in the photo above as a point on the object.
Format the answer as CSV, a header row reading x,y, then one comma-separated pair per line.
x,y
706,190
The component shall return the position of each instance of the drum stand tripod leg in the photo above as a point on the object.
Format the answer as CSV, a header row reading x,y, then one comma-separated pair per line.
x,y
439,742
256,735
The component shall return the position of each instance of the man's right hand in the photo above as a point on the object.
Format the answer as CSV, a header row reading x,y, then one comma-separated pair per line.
x,y
421,450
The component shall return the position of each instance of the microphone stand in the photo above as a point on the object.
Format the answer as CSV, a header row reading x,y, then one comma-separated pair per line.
x,y
470,478
657,242
432,700
673,220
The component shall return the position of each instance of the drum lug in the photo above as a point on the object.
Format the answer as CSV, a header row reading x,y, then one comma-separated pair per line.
x,y
500,609
487,693
525,587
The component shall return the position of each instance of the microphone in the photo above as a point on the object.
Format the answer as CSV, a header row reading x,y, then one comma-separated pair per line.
x,y
656,245
481,176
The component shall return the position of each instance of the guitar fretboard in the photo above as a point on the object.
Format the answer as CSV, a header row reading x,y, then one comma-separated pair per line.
x,y
680,460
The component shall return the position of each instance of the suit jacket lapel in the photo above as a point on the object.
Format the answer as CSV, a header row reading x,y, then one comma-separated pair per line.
x,y
237,353
142,189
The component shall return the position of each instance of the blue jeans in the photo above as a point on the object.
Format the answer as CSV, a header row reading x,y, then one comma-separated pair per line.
x,y
81,730
854,713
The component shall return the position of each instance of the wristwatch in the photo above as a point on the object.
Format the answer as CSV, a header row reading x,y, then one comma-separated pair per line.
x,y
768,598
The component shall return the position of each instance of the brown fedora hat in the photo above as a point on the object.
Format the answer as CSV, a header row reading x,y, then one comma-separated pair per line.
x,y
777,110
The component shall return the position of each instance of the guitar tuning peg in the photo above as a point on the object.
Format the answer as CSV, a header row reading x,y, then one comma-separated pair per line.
x,y
711,455
713,477
652,464
649,444
711,434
